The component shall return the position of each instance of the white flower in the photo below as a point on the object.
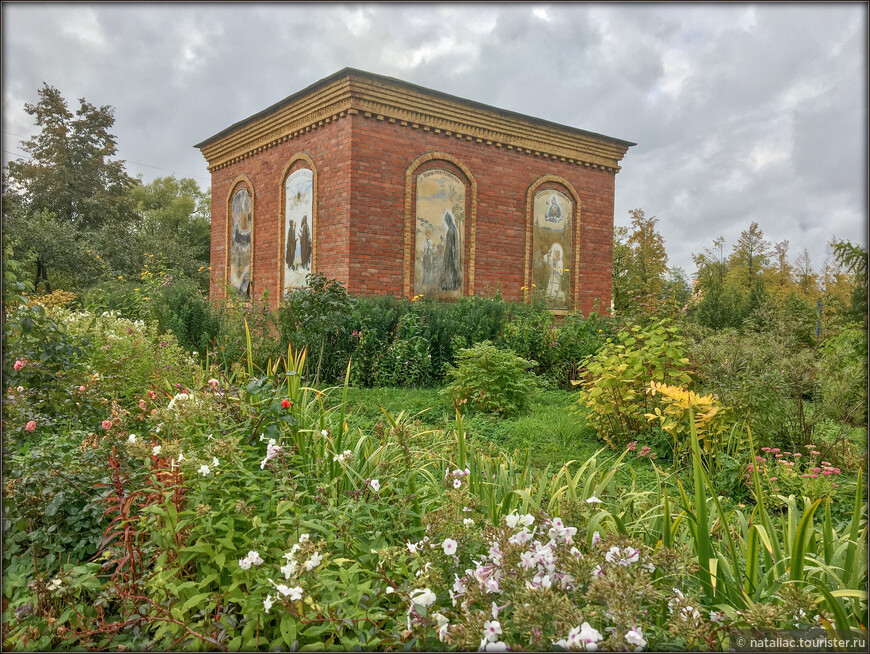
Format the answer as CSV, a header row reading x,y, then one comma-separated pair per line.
x,y
719,617
313,562
459,585
156,449
512,520
423,597
267,603
245,563
468,522
254,558
449,546
324,433
412,547
289,569
593,500
491,630
54,584
214,461
527,560
596,538
612,554
521,537
443,626
180,457
635,637
486,646
295,593
375,484
456,483
131,438
597,571
304,538
527,520
649,567
272,450
204,470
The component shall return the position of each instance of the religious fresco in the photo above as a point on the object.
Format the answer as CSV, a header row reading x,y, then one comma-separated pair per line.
x,y
551,248
440,235
240,243
298,224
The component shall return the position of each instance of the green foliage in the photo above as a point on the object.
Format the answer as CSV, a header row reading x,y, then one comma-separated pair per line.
x,y
492,380
617,378
181,307
406,361
318,318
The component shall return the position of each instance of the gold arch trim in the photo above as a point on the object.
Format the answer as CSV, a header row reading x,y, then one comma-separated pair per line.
x,y
241,179
575,225
410,220
282,221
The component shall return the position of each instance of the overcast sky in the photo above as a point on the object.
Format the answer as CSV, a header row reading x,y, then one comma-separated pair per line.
x,y
740,112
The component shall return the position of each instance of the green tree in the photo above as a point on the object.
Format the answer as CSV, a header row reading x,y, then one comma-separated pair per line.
x,y
853,258
175,224
750,256
640,265
69,174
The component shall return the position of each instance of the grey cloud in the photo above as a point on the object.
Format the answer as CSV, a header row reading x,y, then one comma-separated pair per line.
x,y
740,112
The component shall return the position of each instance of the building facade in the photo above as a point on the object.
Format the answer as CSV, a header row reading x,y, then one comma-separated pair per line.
x,y
396,189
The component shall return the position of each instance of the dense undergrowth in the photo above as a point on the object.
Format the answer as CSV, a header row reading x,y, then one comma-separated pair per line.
x,y
157,499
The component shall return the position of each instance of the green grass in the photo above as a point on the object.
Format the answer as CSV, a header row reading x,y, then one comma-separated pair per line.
x,y
551,429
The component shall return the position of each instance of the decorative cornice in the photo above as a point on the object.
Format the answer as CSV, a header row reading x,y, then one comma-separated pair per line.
x,y
382,98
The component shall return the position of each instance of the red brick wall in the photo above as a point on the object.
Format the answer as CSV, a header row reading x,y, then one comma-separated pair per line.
x,y
382,152
361,165
328,148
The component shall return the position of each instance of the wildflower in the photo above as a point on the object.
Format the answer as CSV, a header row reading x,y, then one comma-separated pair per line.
x,y
54,584
31,425
456,483
774,478
132,439
18,365
324,433
272,450
449,546
215,462
204,470
631,447
468,522
593,500
294,593
245,563
285,404
313,562
596,538
491,630
106,424
521,537
213,382
644,451
443,626
717,617
375,484
422,597
512,520
156,450
635,637
267,603
254,558
304,538
527,520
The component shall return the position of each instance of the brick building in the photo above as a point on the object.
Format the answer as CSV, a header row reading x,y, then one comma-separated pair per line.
x,y
397,189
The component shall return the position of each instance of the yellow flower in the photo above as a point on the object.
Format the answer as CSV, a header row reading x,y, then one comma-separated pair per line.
x,y
200,269
136,289
121,277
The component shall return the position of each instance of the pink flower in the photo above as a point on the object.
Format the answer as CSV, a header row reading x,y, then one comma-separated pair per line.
x,y
836,471
81,389
631,446
213,382
814,453
285,404
107,424
779,456
142,405
644,451
814,476
775,450
765,449
804,475
835,485
31,426
826,463
18,365
826,472
797,455
774,478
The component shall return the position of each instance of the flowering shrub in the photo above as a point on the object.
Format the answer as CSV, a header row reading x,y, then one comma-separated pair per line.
x,y
802,474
